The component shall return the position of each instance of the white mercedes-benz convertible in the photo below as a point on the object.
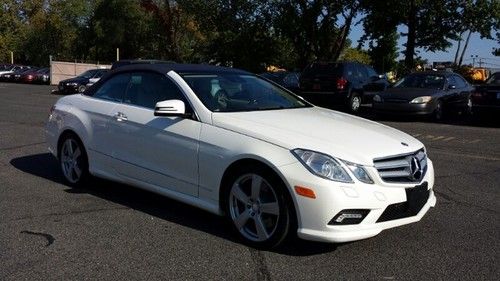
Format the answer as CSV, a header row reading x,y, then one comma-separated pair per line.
x,y
235,144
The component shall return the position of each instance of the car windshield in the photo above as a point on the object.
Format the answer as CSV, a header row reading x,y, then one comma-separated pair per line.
x,y
424,81
229,92
88,74
494,79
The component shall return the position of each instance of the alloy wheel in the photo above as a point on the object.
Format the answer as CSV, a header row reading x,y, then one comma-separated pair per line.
x,y
254,207
355,103
71,160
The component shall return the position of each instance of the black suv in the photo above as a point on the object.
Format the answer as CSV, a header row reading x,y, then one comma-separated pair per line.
x,y
340,83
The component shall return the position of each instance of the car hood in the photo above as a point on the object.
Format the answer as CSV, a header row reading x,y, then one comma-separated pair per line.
x,y
409,93
337,134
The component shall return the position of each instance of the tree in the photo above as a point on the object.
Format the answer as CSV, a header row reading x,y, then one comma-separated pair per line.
x,y
10,29
357,55
475,16
429,24
381,34
235,33
312,27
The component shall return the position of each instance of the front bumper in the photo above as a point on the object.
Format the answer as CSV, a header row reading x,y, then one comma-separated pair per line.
x,y
404,108
314,215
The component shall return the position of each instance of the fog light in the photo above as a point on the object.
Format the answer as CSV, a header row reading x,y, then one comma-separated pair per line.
x,y
349,216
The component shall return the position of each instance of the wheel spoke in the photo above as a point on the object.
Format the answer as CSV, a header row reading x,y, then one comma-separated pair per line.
x,y
70,148
242,219
78,171
77,153
256,184
239,194
261,229
270,208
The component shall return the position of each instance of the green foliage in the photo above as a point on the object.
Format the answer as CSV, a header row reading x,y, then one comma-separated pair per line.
x,y
249,34
357,55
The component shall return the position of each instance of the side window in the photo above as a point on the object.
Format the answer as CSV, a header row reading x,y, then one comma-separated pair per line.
x,y
350,71
114,88
451,81
361,72
148,88
371,72
460,82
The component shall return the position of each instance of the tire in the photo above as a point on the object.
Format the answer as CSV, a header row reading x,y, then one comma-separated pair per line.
x,y
82,88
468,108
355,101
73,160
437,115
257,207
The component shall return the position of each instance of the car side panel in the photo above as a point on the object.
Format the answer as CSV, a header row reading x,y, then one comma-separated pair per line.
x,y
219,148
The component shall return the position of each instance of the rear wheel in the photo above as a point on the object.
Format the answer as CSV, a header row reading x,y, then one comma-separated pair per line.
x,y
257,207
354,103
73,160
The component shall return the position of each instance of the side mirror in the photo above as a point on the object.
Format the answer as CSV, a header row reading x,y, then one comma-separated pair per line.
x,y
452,87
170,108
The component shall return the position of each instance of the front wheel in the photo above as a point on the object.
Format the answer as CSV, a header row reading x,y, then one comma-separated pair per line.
x,y
257,207
73,161
438,112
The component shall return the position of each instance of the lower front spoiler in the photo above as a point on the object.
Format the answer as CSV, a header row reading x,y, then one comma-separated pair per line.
x,y
347,233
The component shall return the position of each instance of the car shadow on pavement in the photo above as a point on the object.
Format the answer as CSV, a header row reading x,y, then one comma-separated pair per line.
x,y
44,165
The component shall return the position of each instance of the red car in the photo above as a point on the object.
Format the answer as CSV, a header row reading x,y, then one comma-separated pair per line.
x,y
40,76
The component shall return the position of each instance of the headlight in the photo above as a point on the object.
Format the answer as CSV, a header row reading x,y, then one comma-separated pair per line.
x,y
322,165
377,98
423,99
359,172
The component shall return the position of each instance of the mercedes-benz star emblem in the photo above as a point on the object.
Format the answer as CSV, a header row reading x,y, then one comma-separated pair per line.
x,y
415,169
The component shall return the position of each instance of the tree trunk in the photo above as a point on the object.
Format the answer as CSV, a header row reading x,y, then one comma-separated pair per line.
x,y
343,36
458,49
465,48
411,38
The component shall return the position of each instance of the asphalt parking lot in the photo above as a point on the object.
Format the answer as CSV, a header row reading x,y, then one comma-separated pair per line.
x,y
111,231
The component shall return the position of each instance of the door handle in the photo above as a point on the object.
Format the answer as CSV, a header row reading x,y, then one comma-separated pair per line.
x,y
120,117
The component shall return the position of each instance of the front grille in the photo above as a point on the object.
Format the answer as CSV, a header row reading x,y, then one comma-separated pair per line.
x,y
407,168
416,197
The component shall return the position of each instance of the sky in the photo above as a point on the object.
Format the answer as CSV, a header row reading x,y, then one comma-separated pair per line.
x,y
477,47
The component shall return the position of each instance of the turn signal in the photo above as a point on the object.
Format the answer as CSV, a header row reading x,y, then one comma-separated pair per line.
x,y
304,191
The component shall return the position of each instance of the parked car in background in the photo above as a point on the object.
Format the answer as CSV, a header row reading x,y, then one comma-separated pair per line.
x,y
17,76
429,93
274,164
11,69
40,76
79,83
341,83
13,75
486,97
289,80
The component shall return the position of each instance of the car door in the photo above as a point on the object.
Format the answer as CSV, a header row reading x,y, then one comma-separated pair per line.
x,y
463,91
451,96
98,106
159,151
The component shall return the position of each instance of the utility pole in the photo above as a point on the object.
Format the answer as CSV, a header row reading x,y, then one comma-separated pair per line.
x,y
480,62
11,57
473,60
